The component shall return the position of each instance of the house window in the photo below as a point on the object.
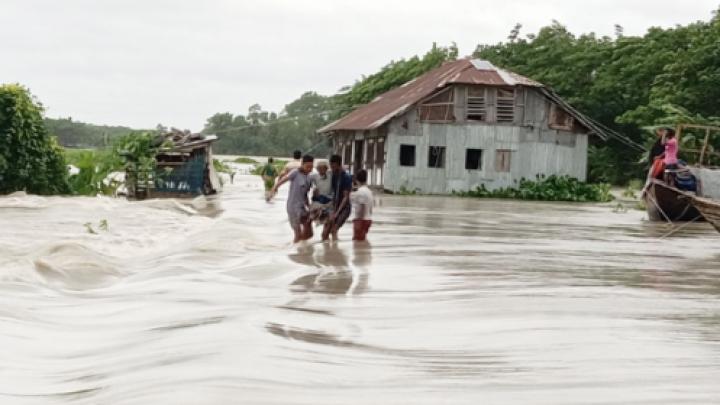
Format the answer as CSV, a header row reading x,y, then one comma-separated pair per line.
x,y
476,106
502,160
438,108
505,105
407,155
559,118
436,157
473,159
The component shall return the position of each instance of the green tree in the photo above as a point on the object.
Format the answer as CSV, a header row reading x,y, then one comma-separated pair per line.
x,y
30,159
395,74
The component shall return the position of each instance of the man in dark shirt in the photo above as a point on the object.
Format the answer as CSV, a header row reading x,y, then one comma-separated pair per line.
x,y
658,148
341,185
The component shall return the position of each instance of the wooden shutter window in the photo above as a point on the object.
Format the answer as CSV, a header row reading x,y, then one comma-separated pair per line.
x,y
505,105
476,104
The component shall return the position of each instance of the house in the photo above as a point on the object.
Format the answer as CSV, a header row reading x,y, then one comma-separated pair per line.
x,y
183,169
465,124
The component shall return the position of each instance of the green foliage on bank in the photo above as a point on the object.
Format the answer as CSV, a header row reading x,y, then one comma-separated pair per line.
x,y
30,159
552,188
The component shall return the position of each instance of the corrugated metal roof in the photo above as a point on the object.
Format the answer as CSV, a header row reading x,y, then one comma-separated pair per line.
x,y
398,100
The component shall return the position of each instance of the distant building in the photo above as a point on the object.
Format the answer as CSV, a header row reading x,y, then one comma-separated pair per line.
x,y
461,125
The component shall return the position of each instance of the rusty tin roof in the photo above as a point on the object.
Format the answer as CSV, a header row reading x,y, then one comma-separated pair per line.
x,y
398,100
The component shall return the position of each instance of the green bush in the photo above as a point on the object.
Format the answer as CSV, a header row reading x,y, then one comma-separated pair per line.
x,y
30,159
552,188
135,153
94,167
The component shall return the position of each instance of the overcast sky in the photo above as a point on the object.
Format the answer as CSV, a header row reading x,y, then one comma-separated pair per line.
x,y
177,62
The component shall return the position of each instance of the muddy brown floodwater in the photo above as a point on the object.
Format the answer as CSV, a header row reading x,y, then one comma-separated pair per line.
x,y
456,301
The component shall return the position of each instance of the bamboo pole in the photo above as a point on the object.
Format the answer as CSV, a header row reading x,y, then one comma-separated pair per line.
x,y
705,146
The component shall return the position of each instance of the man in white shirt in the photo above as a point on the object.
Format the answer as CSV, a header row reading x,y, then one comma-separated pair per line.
x,y
322,192
362,205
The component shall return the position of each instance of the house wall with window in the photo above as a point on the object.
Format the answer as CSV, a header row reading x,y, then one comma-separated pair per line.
x,y
493,137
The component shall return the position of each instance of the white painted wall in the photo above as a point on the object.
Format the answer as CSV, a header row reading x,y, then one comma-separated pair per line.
x,y
534,151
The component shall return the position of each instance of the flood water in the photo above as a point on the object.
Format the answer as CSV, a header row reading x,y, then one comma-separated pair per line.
x,y
454,301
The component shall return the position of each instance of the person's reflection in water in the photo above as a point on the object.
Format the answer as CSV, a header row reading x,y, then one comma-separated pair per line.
x,y
304,255
337,275
362,258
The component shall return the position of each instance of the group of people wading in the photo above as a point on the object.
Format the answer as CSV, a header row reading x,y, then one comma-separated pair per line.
x,y
327,195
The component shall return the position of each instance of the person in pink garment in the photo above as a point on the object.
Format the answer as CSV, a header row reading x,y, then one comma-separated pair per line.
x,y
671,152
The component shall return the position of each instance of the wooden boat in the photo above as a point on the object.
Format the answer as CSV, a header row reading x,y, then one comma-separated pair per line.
x,y
710,210
667,203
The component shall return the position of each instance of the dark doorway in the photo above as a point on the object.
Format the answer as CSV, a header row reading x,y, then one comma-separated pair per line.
x,y
358,161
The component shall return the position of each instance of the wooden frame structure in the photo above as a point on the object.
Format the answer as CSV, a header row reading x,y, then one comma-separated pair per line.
x,y
708,130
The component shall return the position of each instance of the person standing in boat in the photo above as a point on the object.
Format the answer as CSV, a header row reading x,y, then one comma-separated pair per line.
x,y
658,149
670,157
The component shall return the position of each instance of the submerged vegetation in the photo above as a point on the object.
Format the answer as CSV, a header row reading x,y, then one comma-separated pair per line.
x,y
278,164
221,167
246,160
552,188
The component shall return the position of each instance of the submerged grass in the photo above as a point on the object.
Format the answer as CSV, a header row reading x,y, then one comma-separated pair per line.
x,y
246,160
278,164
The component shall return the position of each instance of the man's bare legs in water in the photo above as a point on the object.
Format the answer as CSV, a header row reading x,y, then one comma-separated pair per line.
x,y
297,203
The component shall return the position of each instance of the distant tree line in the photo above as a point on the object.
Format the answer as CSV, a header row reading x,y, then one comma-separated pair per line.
x,y
75,134
260,132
